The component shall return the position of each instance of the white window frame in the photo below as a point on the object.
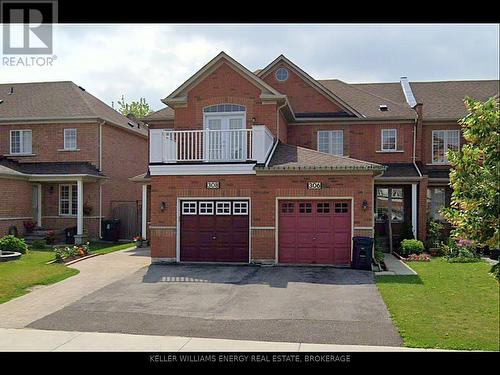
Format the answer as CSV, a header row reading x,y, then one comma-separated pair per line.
x,y
221,207
431,199
22,151
207,210
72,189
67,146
216,145
445,144
188,206
384,131
242,208
281,70
331,144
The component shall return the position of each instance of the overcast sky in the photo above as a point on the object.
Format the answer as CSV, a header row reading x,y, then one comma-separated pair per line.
x,y
152,60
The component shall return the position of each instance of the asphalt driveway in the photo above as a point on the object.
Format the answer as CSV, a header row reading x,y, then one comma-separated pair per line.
x,y
294,304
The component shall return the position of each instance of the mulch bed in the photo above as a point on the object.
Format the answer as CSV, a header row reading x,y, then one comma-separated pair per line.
x,y
73,259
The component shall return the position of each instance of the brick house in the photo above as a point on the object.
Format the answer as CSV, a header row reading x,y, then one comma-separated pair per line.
x,y
274,166
62,158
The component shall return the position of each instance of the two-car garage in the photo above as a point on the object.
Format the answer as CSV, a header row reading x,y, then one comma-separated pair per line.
x,y
309,231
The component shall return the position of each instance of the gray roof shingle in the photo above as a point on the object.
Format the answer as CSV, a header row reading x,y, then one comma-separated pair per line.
x,y
166,113
57,100
51,168
289,157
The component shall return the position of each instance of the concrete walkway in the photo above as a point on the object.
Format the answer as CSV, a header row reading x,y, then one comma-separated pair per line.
x,y
41,340
396,267
95,273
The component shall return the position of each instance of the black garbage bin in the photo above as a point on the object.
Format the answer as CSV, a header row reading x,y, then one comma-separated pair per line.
x,y
362,253
70,235
111,230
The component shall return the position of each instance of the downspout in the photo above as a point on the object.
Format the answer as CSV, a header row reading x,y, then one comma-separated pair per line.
x,y
414,157
278,119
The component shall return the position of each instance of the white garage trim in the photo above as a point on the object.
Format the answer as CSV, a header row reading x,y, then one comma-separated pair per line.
x,y
178,222
276,235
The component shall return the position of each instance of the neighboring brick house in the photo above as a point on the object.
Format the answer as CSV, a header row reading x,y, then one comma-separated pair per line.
x,y
65,158
275,166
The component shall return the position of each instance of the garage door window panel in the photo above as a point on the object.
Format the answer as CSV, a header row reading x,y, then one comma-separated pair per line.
x,y
189,208
240,208
206,208
223,208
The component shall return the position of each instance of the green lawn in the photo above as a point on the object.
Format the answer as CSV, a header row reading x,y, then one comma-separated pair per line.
x,y
105,248
17,276
447,306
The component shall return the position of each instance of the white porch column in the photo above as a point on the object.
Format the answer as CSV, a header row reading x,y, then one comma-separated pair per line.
x,y
39,199
144,221
414,205
79,237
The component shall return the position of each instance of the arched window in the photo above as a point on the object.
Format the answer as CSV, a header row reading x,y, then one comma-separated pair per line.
x,y
224,108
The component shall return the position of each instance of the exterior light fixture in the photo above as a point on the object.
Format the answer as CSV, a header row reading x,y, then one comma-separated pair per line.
x,y
364,205
254,120
162,206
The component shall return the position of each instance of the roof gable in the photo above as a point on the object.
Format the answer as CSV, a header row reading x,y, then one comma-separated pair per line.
x,y
179,96
62,101
309,80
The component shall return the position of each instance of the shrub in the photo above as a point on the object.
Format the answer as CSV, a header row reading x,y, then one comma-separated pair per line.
x,y
59,253
50,237
495,271
434,233
11,243
29,225
461,251
39,244
411,247
379,255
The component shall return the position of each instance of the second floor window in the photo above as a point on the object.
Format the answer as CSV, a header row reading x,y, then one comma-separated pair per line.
x,y
442,141
20,142
389,139
331,142
70,139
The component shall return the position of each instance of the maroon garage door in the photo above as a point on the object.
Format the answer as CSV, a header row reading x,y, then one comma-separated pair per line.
x,y
315,232
214,231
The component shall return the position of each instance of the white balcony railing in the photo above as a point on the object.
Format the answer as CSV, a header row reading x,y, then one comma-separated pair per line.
x,y
237,145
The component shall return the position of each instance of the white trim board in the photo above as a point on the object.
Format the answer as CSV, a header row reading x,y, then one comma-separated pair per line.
x,y
201,169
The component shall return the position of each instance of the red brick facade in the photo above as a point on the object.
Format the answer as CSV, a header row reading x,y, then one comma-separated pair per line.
x,y
123,154
361,140
263,190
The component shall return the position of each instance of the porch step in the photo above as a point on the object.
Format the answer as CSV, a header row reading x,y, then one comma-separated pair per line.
x,y
40,234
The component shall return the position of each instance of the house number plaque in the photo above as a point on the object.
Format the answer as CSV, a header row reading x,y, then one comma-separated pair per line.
x,y
314,185
213,185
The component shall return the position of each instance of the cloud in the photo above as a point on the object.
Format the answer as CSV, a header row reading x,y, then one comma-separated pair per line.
x,y
152,60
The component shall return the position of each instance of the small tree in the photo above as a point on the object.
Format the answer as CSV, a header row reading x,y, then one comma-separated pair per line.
x,y
138,109
474,176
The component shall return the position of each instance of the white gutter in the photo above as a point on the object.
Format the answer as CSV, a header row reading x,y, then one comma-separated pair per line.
x,y
278,119
272,153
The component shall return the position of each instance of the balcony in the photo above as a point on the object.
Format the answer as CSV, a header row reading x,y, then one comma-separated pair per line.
x,y
210,146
